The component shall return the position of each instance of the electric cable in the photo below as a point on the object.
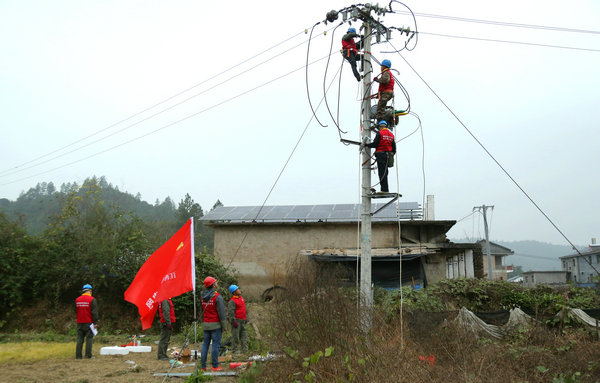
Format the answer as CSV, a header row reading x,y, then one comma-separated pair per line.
x,y
164,126
148,117
307,88
279,176
414,33
503,23
497,163
337,125
510,42
150,107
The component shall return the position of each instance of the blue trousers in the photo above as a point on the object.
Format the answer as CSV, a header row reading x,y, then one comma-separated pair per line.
x,y
215,337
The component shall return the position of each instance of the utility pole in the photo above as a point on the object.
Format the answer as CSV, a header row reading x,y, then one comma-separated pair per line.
x,y
483,209
366,292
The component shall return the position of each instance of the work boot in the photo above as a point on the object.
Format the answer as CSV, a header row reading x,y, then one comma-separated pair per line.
x,y
215,369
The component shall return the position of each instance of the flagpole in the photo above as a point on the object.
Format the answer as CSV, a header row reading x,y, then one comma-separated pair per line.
x,y
194,294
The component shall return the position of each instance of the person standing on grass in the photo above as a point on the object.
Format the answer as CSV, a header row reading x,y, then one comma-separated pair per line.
x,y
86,307
167,318
214,322
236,312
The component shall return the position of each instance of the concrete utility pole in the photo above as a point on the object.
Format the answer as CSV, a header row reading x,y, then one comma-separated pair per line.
x,y
366,292
484,208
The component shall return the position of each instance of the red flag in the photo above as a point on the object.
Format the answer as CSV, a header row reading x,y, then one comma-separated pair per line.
x,y
169,272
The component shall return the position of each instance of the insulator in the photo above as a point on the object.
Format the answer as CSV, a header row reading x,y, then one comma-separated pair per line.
x,y
378,37
332,16
345,15
388,34
355,13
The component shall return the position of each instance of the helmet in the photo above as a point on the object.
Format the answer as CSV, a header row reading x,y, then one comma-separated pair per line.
x,y
351,30
209,281
87,286
386,63
232,288
382,122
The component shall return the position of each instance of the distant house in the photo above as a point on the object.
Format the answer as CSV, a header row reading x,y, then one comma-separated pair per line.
x,y
260,242
552,278
581,265
497,253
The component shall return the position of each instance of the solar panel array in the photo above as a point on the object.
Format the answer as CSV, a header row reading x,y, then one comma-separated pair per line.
x,y
311,213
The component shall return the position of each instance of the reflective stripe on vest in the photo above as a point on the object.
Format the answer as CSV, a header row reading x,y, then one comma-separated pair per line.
x,y
171,312
84,308
240,307
210,310
385,141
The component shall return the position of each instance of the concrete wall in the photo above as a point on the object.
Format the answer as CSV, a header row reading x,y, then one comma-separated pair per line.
x,y
533,278
268,249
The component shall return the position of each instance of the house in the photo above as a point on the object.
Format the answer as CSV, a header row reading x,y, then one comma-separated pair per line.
x,y
260,242
552,278
498,253
584,265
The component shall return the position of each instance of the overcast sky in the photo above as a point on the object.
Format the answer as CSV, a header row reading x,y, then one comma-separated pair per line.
x,y
72,71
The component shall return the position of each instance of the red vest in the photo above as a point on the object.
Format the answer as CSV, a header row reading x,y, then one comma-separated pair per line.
x,y
171,312
210,310
240,307
389,87
385,141
349,45
84,308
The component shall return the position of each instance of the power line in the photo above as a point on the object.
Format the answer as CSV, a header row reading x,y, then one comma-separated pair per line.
x,y
502,23
14,170
495,160
283,168
165,126
510,42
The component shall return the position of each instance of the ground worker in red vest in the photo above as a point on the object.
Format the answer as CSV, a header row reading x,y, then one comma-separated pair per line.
x,y
167,319
350,50
214,322
385,146
236,312
87,315
386,88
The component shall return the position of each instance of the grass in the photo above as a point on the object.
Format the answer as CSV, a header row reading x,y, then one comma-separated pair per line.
x,y
23,352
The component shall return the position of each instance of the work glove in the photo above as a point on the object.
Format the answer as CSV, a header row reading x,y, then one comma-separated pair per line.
x,y
170,327
376,79
234,324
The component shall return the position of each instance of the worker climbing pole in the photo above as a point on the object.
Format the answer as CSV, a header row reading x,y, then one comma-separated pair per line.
x,y
379,117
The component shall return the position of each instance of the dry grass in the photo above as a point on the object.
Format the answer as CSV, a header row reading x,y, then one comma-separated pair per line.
x,y
315,316
11,353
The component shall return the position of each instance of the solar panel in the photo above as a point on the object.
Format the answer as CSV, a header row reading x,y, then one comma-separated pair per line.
x,y
311,213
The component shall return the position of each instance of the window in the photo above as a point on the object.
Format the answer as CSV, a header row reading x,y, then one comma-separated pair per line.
x,y
573,261
598,258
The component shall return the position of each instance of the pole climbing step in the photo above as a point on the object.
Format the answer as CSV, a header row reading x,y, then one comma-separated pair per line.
x,y
393,196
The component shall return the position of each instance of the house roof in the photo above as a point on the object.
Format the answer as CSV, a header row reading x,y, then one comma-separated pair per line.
x,y
311,213
496,249
590,251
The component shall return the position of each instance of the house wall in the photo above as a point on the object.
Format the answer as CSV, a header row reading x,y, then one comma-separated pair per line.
x,y
531,279
267,250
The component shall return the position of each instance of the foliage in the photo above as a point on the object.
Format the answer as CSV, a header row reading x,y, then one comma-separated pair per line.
x,y
53,241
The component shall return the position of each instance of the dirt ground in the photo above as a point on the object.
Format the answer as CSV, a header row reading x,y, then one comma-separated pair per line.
x,y
132,368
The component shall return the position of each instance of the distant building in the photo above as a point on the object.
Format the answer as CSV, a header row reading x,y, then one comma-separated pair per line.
x,y
498,254
261,242
552,278
581,265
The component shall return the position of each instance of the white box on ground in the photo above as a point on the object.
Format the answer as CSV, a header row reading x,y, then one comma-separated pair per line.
x,y
114,350
139,348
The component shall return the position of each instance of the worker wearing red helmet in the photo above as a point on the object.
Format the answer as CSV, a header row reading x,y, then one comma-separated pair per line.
x,y
214,322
